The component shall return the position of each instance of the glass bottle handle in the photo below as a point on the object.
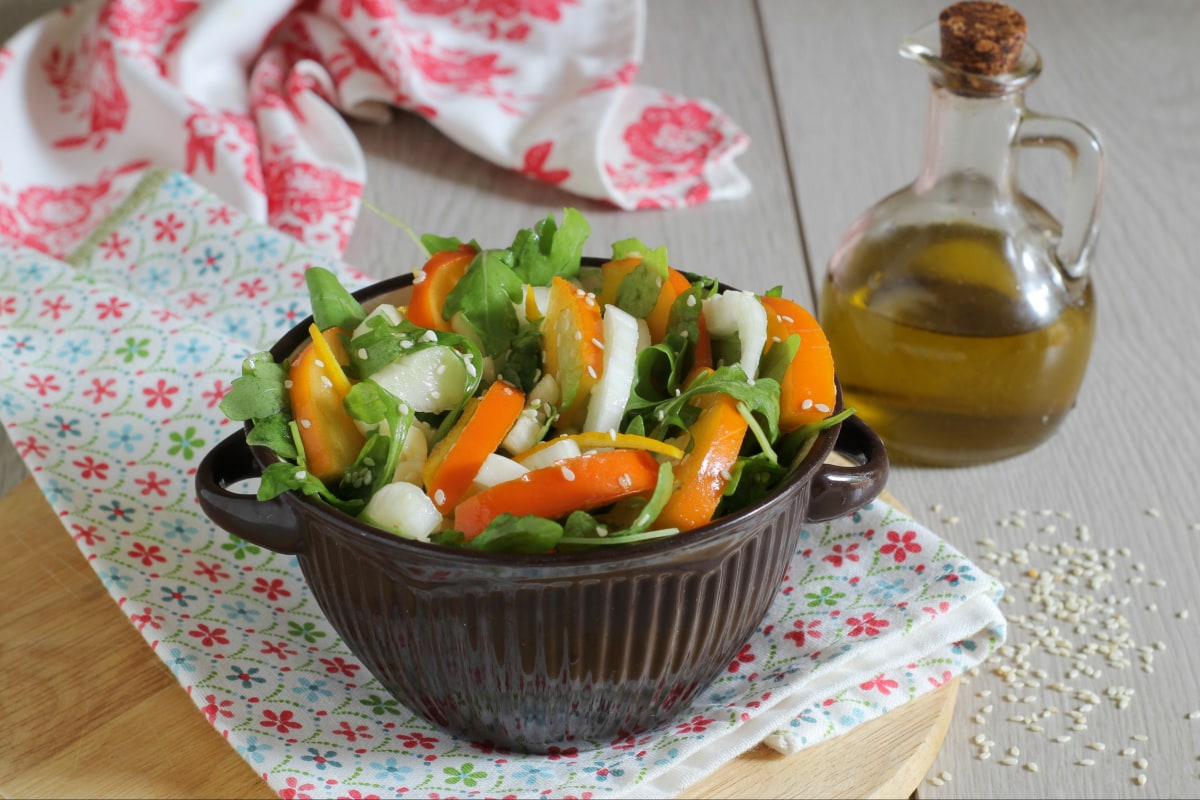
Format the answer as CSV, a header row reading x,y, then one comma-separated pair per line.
x,y
1082,148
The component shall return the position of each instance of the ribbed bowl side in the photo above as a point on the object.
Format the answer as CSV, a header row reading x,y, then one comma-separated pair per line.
x,y
529,660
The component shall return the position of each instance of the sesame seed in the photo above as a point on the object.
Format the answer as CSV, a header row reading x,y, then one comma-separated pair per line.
x,y
439,497
1031,766
362,353
1193,715
301,474
1140,780
1096,745
1141,763
318,363
1085,762
418,276
1140,737
328,384
287,384
591,371
568,474
306,423
1008,762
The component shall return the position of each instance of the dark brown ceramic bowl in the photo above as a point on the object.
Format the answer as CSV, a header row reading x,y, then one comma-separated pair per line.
x,y
534,651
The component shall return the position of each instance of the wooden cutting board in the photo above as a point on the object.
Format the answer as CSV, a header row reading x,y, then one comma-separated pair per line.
x,y
88,710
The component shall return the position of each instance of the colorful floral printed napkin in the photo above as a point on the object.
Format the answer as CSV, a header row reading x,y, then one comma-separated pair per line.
x,y
248,98
113,366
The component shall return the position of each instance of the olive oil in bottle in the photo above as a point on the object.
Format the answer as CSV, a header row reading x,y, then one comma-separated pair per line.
x,y
944,358
960,312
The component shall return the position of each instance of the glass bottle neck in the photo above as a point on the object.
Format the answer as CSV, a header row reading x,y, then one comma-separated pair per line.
x,y
969,140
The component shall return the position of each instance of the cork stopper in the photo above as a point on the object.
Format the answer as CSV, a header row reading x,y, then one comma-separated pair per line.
x,y
982,37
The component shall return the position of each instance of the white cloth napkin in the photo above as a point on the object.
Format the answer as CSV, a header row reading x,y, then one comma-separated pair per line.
x,y
111,369
247,98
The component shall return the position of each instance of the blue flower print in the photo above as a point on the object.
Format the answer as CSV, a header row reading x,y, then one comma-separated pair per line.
x,y
261,248
601,771
955,574
32,271
887,589
11,404
312,690
63,427
210,261
21,345
180,662
967,645
668,757
532,774
75,349
290,314
177,528
178,186
852,716
247,676
237,327
321,761
155,278
253,749
177,594
239,610
124,439
116,511
55,491
390,770
190,352
115,579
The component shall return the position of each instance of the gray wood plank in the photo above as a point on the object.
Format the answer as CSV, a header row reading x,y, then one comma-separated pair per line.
x,y
1124,463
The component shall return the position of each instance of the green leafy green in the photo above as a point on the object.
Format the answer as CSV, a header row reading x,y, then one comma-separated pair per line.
x,y
548,249
485,297
332,304
655,258
639,290
509,533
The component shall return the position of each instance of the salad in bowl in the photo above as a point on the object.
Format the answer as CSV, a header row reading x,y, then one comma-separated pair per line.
x,y
527,399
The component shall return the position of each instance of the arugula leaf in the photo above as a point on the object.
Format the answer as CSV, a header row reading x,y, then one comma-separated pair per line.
x,y
548,250
485,297
753,478
275,433
510,533
761,397
281,477
259,392
639,290
779,357
523,364
370,403
655,258
332,304
435,244
793,446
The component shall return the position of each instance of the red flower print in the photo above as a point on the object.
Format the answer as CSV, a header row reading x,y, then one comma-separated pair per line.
x,y
841,554
802,632
555,752
214,572
868,624
296,790
696,724
161,393
91,468
251,289
376,9
87,535
220,214
880,684
535,164
439,8
42,384
147,554
338,664
152,484
167,227
215,394
213,709
101,388
677,135
900,545
413,740
114,307
31,447
193,299
283,721
209,636
280,649
744,656
109,105
145,618
273,589
946,678
507,9
55,308
353,734
8,305
942,608
114,246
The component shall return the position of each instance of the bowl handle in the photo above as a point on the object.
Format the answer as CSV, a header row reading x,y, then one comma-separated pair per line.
x,y
838,490
268,523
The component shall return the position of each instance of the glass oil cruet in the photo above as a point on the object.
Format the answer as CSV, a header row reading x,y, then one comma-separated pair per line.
x,y
960,312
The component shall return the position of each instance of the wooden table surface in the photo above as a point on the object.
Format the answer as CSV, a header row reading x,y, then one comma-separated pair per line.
x,y
1099,669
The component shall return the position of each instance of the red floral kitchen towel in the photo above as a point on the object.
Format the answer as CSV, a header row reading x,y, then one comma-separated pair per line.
x,y
248,99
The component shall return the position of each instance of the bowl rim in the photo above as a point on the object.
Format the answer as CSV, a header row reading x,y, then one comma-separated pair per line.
x,y
729,526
